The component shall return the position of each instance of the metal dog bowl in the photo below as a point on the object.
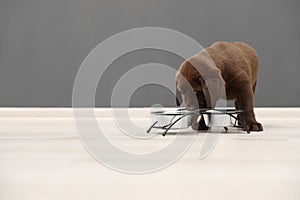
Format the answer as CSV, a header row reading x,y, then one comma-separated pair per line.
x,y
215,118
165,118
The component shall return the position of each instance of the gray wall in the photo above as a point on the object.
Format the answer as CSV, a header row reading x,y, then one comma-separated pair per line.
x,y
43,42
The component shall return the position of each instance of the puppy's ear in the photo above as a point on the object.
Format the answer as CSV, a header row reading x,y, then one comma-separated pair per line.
x,y
178,97
213,87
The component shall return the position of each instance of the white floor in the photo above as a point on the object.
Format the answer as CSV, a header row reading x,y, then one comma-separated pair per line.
x,y
41,157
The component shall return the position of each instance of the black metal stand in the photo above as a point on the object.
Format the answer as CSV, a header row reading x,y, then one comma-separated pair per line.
x,y
167,127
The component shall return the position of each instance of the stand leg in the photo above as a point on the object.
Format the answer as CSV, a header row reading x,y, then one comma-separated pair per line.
x,y
149,129
164,133
226,129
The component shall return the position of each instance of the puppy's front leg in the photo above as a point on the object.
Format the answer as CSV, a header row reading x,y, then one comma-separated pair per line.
x,y
198,125
245,102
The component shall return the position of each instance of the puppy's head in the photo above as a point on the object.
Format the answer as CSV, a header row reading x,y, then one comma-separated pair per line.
x,y
199,90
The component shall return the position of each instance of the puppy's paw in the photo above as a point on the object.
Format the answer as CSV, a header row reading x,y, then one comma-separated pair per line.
x,y
253,126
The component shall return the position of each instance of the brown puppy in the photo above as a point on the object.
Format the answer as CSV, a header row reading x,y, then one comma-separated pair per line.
x,y
229,67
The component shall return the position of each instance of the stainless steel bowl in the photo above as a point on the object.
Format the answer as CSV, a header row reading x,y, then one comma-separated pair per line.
x,y
215,118
165,118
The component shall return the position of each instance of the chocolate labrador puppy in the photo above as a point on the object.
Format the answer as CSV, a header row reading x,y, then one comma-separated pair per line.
x,y
222,70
